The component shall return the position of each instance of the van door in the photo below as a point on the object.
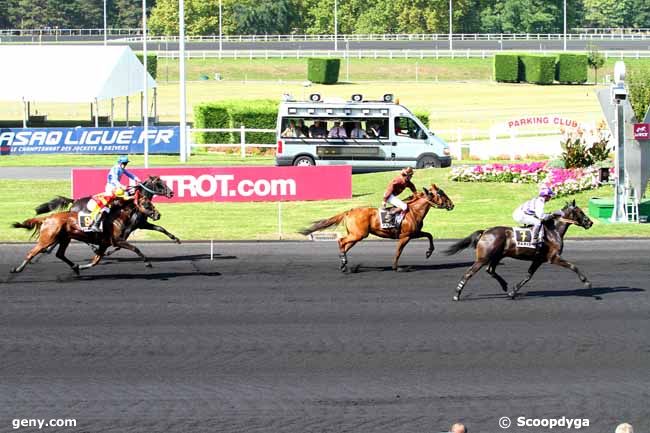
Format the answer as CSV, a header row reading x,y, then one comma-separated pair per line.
x,y
411,141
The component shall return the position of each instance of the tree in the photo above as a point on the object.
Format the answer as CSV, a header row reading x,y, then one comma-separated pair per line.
x,y
521,16
264,16
639,87
595,60
608,13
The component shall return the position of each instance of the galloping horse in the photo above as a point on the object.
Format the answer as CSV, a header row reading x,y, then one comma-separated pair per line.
x,y
60,228
150,187
497,242
360,222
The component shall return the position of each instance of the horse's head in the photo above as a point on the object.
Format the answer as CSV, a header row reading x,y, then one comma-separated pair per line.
x,y
154,185
147,208
438,197
572,213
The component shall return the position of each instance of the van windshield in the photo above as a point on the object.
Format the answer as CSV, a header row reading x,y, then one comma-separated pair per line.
x,y
406,127
318,127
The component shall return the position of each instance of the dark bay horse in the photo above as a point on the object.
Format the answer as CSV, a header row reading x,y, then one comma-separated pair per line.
x,y
149,188
360,222
498,242
62,227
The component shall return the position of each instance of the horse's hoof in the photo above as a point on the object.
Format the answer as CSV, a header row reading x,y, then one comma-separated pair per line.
x,y
75,269
429,253
343,268
456,298
13,271
587,285
178,241
512,294
148,265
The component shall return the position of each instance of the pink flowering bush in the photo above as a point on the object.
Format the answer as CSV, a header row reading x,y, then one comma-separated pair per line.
x,y
564,181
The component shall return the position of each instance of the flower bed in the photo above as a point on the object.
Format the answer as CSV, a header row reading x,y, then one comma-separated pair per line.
x,y
564,181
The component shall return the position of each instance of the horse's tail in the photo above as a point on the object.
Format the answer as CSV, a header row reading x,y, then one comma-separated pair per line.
x,y
30,224
58,203
469,241
323,224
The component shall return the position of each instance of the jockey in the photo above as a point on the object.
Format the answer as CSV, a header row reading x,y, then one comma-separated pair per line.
x,y
532,213
114,189
396,187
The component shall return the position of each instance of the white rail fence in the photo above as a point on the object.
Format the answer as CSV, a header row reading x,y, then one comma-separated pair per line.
x,y
368,54
476,143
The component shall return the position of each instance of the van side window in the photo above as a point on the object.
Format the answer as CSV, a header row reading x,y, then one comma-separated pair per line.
x,y
406,127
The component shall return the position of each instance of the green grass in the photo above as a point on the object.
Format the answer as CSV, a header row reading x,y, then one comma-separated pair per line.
x,y
471,106
478,205
136,160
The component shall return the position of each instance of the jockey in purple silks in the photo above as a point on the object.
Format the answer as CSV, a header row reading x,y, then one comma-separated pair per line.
x,y
532,213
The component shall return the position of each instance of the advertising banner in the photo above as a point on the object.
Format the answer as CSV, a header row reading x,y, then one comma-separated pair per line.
x,y
233,184
100,141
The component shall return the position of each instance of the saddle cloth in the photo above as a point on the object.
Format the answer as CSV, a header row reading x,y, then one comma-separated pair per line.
x,y
85,221
523,237
388,219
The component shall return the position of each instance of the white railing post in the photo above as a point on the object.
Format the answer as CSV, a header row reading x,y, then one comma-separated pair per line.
x,y
242,142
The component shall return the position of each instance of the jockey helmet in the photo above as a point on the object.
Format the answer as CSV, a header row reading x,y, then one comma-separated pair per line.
x,y
546,191
408,171
123,159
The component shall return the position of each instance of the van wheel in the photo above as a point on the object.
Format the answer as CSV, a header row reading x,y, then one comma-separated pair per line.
x,y
428,162
304,161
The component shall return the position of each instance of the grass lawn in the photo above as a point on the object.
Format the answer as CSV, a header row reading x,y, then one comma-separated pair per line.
x,y
136,160
473,107
478,205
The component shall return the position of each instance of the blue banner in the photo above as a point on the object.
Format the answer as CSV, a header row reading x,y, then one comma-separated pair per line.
x,y
102,141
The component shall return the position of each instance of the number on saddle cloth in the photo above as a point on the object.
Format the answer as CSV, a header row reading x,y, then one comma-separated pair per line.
x,y
523,237
390,218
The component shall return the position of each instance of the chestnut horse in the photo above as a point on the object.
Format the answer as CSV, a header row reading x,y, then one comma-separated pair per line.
x,y
498,242
362,221
60,228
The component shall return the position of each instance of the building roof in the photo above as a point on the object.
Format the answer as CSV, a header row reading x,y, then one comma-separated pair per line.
x,y
69,73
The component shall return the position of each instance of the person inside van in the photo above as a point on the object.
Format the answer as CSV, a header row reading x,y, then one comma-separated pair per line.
x,y
302,128
292,130
337,131
375,130
317,130
357,132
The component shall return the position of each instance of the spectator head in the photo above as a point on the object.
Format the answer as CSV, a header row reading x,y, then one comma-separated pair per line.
x,y
624,428
458,428
337,123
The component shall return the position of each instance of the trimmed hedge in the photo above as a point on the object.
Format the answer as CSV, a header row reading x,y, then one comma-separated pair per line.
x,y
259,113
572,68
538,69
212,115
152,64
506,68
323,71
423,116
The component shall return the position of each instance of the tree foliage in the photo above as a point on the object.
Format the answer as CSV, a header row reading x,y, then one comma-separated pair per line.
x,y
317,16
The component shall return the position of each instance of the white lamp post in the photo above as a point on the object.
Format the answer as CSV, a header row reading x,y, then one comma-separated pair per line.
x,y
181,59
105,26
336,25
145,77
564,25
451,10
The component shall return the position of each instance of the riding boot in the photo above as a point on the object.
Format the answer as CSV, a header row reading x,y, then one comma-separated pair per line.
x,y
96,227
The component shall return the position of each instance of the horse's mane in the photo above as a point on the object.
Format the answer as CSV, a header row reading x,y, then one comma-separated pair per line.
x,y
416,196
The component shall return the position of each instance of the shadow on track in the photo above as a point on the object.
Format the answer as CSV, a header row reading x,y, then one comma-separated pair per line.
x,y
164,276
594,292
358,269
189,257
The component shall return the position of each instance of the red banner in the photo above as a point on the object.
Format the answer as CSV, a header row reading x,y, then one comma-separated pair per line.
x,y
233,184
642,131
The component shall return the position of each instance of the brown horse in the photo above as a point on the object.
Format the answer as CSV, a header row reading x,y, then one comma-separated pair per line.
x,y
62,227
498,242
360,222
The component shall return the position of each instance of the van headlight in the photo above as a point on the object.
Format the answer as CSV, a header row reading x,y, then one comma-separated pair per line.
x,y
446,151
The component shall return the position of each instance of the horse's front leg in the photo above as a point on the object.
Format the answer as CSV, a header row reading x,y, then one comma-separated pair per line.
x,y
401,243
128,246
557,260
99,253
429,238
148,226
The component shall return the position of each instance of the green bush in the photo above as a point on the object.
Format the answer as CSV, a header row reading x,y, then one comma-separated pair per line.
x,y
506,68
639,87
423,116
261,114
538,69
323,71
152,64
232,114
212,115
572,68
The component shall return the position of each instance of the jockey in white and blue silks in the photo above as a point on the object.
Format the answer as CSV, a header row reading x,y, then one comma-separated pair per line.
x,y
532,213
113,180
